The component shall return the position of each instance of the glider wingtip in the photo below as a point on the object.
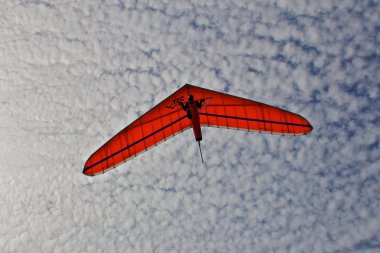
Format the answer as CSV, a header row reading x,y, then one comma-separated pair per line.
x,y
308,125
87,172
310,129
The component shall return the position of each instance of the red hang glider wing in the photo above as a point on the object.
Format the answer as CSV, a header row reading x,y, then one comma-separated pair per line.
x,y
158,124
168,118
223,110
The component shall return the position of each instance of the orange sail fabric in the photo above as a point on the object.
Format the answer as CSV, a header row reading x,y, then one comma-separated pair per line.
x,y
229,111
157,125
168,118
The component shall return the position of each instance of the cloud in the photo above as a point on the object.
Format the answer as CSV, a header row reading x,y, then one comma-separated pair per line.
x,y
74,73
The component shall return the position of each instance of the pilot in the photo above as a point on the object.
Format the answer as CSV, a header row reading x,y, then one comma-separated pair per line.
x,y
186,106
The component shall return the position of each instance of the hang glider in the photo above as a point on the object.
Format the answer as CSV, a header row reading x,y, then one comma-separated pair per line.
x,y
192,107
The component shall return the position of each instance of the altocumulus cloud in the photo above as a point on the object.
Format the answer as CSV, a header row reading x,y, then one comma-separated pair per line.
x,y
73,73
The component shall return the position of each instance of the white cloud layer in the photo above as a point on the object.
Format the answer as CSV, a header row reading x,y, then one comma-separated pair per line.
x,y
73,73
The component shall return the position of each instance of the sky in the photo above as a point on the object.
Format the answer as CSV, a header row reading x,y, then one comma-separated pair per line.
x,y
74,73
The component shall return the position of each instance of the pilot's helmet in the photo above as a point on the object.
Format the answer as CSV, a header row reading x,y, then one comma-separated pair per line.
x,y
191,98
